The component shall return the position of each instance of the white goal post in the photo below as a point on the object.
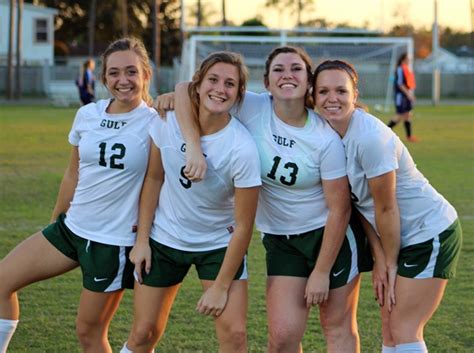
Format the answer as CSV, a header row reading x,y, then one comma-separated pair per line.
x,y
373,57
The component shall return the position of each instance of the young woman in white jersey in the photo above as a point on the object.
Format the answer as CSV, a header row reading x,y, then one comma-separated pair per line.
x,y
419,230
208,224
94,220
304,206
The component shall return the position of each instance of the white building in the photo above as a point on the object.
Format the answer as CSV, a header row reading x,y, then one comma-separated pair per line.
x,y
447,62
37,34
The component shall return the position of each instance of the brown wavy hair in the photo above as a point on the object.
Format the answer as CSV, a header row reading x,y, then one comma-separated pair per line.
x,y
226,57
135,45
309,103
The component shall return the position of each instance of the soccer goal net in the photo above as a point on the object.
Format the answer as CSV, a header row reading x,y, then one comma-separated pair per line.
x,y
373,57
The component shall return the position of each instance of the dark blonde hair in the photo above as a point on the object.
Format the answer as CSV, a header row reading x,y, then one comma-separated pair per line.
x,y
308,65
87,63
340,65
138,48
226,57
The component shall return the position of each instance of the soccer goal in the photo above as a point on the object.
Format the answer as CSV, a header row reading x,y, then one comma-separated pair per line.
x,y
373,57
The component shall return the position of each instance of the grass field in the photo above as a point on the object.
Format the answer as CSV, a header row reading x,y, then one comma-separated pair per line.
x,y
34,153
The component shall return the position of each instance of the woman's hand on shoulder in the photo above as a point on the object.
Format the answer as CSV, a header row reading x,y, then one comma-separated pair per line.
x,y
163,103
196,165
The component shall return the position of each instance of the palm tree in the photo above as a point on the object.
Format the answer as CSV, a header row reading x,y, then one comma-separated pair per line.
x,y
224,18
298,7
199,13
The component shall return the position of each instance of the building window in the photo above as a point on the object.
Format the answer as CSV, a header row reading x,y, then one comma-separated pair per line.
x,y
41,30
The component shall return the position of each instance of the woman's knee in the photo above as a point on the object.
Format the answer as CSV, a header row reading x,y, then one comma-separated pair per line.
x,y
283,337
403,330
145,335
336,324
88,333
6,289
233,334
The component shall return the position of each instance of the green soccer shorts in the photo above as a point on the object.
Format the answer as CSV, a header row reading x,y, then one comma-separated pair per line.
x,y
169,266
434,258
296,255
105,268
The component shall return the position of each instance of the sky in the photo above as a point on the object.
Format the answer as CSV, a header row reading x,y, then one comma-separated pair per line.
x,y
377,14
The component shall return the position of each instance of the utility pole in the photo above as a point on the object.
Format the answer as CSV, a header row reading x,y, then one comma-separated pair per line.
x,y
9,83
19,25
123,9
472,23
157,41
436,76
91,27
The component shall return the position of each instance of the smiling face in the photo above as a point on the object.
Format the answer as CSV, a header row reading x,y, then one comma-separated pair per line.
x,y
125,78
335,96
287,77
218,89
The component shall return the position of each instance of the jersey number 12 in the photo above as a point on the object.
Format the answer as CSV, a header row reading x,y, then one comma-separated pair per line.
x,y
120,148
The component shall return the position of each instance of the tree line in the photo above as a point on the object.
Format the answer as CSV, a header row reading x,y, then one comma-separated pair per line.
x,y
87,26
157,23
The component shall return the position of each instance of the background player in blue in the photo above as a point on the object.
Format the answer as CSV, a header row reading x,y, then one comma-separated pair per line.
x,y
419,230
404,89
303,208
97,206
86,82
208,224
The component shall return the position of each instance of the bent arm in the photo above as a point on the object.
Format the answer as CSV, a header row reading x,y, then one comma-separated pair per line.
x,y
379,272
68,185
149,196
387,220
214,299
245,209
336,193
387,215
196,165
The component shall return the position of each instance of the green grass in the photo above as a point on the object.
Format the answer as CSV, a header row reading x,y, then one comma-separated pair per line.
x,y
34,153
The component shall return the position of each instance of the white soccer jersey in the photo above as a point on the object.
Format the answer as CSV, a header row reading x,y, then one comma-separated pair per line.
x,y
372,150
113,157
293,163
200,216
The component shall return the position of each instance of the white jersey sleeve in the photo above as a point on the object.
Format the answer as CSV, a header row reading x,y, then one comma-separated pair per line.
x,y
156,131
381,159
246,163
333,159
75,135
251,107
